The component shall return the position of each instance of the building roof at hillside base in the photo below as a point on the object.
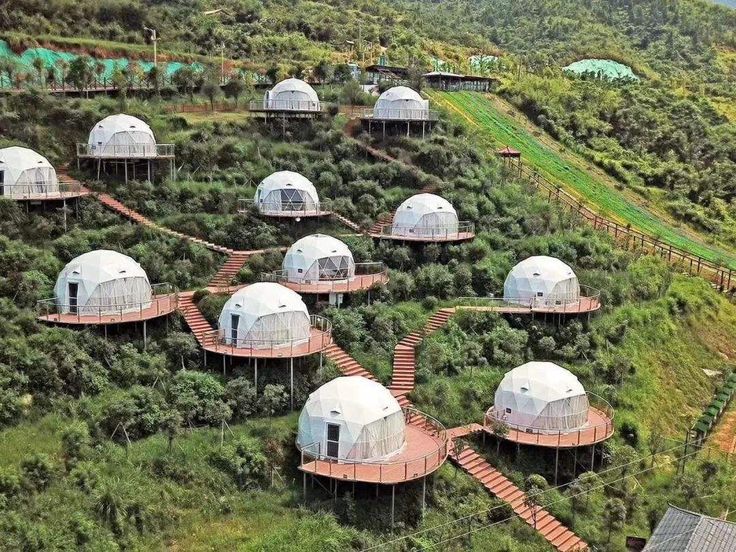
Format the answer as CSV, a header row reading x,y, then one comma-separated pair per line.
x,y
680,530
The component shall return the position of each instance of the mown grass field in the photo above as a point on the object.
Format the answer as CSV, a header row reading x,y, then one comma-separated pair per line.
x,y
500,129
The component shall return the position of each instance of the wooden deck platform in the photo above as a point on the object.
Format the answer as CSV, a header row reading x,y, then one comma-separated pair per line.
x,y
160,306
318,341
358,283
385,234
422,455
598,428
503,306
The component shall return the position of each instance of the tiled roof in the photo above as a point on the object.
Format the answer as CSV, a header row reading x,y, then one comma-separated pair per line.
x,y
684,531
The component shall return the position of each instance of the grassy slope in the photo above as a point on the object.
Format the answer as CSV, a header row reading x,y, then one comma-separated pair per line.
x,y
669,387
573,173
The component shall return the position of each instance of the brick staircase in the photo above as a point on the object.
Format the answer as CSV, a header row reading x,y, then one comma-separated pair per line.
x,y
559,536
405,362
115,205
380,222
193,316
230,269
347,364
346,221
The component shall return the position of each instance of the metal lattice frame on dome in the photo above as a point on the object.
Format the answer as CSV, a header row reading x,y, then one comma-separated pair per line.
x,y
285,194
425,218
104,287
353,429
400,107
542,404
127,140
320,264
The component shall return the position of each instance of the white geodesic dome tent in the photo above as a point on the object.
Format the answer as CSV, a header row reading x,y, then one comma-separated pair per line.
x,y
292,95
543,397
122,136
541,281
318,257
286,192
102,282
265,315
352,418
25,172
425,215
401,103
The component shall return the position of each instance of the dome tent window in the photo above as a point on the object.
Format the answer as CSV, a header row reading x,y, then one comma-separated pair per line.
x,y
292,95
24,172
102,282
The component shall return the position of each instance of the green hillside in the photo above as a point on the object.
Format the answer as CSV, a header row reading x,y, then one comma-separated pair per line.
x,y
111,443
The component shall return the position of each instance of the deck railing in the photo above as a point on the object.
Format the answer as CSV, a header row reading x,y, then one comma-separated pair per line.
x,y
292,209
297,106
588,300
315,460
43,190
164,299
365,276
532,435
428,233
320,337
125,151
396,115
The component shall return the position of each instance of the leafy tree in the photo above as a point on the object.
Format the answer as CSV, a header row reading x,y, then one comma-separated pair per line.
x,y
242,398
210,88
323,71
614,516
274,400
40,68
37,471
75,443
273,73
243,460
82,73
199,398
171,422
234,88
186,80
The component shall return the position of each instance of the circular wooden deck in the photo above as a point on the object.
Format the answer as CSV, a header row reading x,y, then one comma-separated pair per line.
x,y
357,283
424,452
597,429
160,306
318,341
385,232
584,305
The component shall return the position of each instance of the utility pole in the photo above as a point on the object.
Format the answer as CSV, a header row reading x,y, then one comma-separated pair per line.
x,y
222,63
154,39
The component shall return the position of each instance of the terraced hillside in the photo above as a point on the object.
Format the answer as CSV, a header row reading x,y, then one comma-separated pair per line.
x,y
498,128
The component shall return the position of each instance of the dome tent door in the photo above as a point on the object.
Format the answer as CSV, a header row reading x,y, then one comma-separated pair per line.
x,y
333,440
2,183
73,291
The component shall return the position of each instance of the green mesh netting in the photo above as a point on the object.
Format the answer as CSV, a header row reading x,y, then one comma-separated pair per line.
x,y
602,68
24,63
